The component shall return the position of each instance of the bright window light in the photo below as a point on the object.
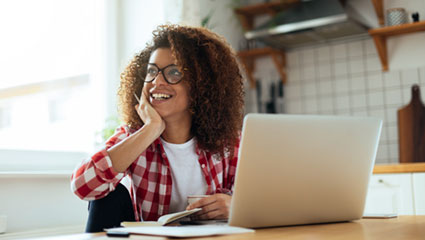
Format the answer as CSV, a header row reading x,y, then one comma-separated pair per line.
x,y
46,75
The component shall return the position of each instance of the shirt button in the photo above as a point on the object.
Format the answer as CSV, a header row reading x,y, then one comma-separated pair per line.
x,y
203,165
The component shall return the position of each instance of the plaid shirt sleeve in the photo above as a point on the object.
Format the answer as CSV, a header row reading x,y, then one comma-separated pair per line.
x,y
95,177
223,171
231,171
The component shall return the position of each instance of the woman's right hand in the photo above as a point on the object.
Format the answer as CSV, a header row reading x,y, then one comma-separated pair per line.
x,y
148,114
124,153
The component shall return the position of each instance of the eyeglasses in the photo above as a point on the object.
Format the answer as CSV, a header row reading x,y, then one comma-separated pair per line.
x,y
171,73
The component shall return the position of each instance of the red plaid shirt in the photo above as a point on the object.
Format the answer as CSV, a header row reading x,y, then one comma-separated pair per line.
x,y
150,175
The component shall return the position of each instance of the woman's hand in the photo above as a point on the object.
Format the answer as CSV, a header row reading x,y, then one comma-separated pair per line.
x,y
216,206
148,114
124,153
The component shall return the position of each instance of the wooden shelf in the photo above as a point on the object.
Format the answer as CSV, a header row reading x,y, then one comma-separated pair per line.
x,y
399,168
398,29
246,16
380,36
248,59
248,13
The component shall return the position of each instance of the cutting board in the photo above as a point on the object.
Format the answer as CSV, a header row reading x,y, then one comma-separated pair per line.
x,y
411,129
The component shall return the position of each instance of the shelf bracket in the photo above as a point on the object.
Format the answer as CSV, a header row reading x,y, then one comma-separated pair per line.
x,y
248,57
280,63
249,68
246,22
379,9
381,47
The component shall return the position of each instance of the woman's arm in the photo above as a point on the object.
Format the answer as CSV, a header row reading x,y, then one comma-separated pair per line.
x,y
124,153
97,176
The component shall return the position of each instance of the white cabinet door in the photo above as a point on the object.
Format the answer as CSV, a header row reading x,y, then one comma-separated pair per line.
x,y
390,193
419,192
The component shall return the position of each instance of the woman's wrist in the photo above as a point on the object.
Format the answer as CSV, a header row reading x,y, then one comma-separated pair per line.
x,y
153,129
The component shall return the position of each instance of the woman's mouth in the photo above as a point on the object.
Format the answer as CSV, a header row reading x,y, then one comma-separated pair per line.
x,y
160,96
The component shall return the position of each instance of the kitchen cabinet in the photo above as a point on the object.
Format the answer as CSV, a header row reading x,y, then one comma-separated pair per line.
x,y
402,193
419,193
390,193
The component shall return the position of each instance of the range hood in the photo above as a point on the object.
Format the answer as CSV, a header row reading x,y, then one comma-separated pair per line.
x,y
309,22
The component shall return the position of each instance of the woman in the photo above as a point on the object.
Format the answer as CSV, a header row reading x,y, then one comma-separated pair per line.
x,y
181,139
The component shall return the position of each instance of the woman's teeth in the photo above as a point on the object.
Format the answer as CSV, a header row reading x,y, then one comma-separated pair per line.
x,y
160,96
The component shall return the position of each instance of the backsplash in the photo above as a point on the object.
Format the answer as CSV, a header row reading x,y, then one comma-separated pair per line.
x,y
346,79
343,79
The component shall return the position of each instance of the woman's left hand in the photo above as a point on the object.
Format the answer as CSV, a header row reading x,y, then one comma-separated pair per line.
x,y
216,206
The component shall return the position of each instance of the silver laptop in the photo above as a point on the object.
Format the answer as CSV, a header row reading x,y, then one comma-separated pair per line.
x,y
301,169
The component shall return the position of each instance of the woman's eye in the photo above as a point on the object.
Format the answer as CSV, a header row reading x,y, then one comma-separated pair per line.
x,y
175,72
152,71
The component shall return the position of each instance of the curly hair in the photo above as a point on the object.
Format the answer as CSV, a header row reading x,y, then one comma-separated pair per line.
x,y
215,84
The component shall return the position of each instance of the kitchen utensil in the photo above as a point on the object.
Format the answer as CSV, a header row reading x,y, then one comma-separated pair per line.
x,y
415,17
411,129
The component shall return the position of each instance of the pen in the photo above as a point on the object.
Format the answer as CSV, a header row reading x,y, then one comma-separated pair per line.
x,y
117,234
137,98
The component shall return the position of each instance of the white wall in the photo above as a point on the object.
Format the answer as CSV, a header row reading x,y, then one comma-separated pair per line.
x,y
346,79
33,202
223,20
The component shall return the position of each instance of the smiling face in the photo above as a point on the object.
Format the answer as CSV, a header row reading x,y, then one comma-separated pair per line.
x,y
171,101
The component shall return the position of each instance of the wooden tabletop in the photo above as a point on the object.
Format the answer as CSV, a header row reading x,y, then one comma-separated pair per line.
x,y
399,168
403,227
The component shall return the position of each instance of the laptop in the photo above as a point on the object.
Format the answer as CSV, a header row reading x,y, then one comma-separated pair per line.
x,y
303,169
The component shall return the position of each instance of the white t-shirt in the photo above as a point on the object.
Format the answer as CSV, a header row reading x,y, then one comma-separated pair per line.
x,y
186,173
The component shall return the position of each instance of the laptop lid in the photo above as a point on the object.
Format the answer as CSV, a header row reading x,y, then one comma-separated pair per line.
x,y
301,169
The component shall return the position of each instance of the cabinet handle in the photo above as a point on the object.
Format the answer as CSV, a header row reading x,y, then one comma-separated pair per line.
x,y
381,181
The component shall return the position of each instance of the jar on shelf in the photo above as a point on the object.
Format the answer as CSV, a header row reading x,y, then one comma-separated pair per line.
x,y
396,16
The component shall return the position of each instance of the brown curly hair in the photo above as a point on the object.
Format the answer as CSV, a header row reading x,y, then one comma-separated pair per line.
x,y
215,84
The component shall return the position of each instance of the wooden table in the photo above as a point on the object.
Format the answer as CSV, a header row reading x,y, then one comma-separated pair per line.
x,y
399,168
403,227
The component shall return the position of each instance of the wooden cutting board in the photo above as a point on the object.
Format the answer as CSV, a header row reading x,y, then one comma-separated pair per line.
x,y
411,129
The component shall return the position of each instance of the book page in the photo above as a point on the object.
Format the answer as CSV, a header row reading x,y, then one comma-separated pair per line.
x,y
141,224
163,220
175,216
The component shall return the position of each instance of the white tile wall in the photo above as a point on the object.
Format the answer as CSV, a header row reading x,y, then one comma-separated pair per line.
x,y
346,79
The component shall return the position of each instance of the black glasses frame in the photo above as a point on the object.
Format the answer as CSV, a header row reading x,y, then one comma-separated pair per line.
x,y
161,70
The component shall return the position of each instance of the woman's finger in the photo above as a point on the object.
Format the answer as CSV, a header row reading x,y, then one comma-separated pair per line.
x,y
215,214
208,208
202,202
144,97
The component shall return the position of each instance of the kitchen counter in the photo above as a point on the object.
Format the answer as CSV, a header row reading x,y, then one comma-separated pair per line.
x,y
399,168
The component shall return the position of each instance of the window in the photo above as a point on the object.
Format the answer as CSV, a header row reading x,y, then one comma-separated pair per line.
x,y
60,63
46,77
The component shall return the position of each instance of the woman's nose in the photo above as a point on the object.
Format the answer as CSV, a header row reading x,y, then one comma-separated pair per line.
x,y
159,80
